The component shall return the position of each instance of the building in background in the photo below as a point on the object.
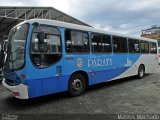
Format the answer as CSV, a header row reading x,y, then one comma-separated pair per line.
x,y
11,16
153,33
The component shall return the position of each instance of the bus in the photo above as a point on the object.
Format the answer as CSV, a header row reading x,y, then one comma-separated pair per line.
x,y
47,56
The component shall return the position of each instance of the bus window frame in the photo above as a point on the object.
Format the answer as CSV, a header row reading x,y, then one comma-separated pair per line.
x,y
75,53
149,47
53,34
127,48
92,51
138,44
145,41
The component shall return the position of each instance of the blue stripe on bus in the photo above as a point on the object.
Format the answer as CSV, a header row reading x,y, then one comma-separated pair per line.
x,y
106,75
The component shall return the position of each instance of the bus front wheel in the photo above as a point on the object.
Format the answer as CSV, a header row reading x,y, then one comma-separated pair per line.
x,y
77,85
141,71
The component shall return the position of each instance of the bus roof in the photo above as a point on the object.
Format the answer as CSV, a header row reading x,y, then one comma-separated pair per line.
x,y
80,27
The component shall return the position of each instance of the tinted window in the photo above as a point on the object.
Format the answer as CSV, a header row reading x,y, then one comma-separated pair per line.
x,y
133,46
76,41
120,44
96,43
101,43
106,43
144,46
152,47
48,53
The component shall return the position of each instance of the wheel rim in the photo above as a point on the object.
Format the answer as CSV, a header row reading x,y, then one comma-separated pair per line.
x,y
77,85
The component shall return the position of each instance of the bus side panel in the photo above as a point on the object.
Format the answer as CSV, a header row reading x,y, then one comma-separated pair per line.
x,y
99,67
63,83
97,71
34,88
45,86
101,76
133,69
120,64
150,62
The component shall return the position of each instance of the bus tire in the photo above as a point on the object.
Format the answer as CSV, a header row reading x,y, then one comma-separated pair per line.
x,y
141,71
77,85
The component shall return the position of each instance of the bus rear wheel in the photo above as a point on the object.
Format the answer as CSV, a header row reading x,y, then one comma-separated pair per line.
x,y
77,85
141,71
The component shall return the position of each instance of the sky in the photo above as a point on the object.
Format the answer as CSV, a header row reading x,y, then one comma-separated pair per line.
x,y
122,16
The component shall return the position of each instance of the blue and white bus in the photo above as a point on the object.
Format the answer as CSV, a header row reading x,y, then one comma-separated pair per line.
x,y
47,56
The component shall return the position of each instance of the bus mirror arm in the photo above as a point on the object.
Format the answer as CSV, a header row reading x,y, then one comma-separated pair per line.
x,y
41,36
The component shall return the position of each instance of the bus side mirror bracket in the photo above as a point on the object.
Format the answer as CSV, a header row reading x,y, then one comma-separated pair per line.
x,y
41,36
42,45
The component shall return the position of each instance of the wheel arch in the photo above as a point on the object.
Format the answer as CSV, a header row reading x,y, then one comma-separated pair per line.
x,y
142,64
84,73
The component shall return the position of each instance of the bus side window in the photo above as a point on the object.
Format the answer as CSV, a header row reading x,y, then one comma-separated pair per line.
x,y
133,45
144,45
152,47
120,44
77,41
68,41
48,53
96,43
34,47
85,42
106,43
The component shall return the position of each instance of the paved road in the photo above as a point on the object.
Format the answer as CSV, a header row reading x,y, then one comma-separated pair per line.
x,y
127,96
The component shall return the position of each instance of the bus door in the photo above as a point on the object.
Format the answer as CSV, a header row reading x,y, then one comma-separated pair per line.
x,y
46,54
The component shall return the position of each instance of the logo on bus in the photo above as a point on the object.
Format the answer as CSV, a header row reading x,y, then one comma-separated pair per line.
x,y
79,63
99,62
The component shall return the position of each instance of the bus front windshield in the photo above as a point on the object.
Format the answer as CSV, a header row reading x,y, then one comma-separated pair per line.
x,y
15,58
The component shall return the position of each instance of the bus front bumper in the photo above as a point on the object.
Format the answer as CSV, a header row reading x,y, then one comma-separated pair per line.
x,y
19,91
